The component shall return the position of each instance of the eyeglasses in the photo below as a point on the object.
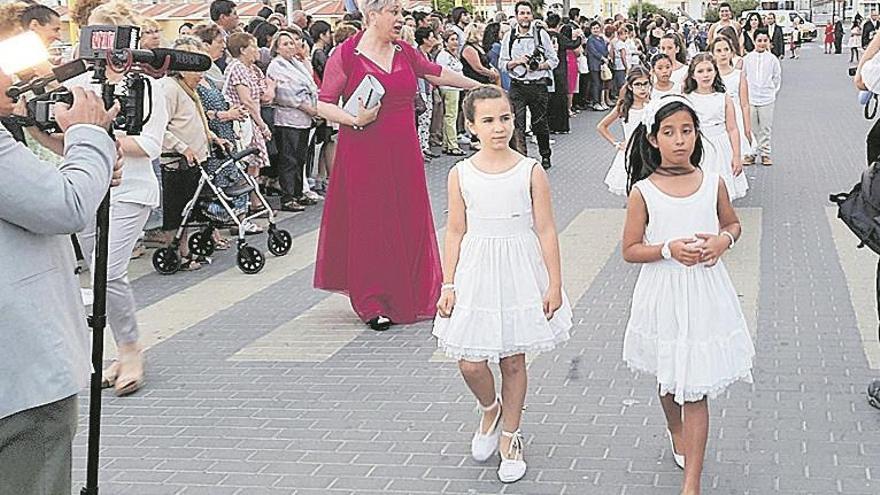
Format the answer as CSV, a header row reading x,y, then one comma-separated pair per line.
x,y
643,84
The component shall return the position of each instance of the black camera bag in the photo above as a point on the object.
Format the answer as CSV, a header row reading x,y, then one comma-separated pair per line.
x,y
860,208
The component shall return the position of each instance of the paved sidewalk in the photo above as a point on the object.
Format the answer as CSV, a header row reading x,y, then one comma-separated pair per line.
x,y
272,387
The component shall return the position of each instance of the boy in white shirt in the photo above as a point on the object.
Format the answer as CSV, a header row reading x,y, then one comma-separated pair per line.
x,y
764,77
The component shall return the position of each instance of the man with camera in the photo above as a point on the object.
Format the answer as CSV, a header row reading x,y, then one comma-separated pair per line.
x,y
529,56
44,359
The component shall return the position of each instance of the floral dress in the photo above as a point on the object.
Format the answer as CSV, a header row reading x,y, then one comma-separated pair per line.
x,y
252,78
213,100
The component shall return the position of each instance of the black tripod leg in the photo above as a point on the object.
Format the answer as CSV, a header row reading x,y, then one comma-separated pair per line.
x,y
98,322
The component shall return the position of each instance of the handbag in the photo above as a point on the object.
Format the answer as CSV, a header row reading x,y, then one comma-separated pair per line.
x,y
605,72
419,103
583,64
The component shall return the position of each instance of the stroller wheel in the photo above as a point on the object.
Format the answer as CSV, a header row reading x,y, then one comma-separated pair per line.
x,y
279,242
166,261
250,260
201,243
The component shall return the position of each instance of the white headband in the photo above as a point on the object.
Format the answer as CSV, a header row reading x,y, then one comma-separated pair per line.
x,y
654,106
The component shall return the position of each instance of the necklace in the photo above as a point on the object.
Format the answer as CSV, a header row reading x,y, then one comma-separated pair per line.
x,y
674,172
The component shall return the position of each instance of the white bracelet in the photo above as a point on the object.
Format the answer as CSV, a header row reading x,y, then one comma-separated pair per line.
x,y
729,236
447,287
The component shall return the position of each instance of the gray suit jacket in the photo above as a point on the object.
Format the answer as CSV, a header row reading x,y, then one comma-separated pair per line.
x,y
44,340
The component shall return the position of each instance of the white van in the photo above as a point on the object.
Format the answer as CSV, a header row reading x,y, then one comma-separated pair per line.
x,y
785,19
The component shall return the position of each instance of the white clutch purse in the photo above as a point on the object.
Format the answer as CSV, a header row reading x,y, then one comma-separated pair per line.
x,y
370,90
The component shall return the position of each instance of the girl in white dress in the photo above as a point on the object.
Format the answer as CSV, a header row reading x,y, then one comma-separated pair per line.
x,y
738,90
661,66
502,293
629,111
686,326
705,89
672,45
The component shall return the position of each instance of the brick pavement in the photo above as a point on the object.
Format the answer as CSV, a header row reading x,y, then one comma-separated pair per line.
x,y
380,416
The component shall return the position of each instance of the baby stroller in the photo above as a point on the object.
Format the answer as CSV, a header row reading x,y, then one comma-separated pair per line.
x,y
250,260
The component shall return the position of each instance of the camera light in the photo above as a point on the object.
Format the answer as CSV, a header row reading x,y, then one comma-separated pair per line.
x,y
21,52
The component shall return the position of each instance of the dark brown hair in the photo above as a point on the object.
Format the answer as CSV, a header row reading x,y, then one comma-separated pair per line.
x,y
480,93
690,84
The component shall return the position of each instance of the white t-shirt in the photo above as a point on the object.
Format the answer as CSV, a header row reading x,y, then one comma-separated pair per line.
x,y
445,59
619,49
632,53
139,183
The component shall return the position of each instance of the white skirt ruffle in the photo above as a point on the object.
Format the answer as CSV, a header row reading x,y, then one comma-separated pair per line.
x,y
718,158
499,289
686,328
616,178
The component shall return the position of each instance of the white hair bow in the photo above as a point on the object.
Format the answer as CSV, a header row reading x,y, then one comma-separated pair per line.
x,y
655,105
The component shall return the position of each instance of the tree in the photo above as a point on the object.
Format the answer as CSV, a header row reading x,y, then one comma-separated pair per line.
x,y
738,7
649,9
446,6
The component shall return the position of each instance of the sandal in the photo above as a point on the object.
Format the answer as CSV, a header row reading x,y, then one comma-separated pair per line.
x,y
189,264
454,153
108,376
221,244
131,374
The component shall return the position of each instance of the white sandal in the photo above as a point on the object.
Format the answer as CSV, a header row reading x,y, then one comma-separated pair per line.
x,y
676,457
484,445
513,465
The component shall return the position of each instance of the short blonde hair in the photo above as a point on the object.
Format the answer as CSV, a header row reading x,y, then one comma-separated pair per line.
x,y
148,23
473,33
10,18
408,35
114,13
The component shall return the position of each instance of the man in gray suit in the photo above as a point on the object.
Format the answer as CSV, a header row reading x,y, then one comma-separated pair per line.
x,y
44,341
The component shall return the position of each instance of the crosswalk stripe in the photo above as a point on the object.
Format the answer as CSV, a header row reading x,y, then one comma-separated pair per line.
x,y
313,336
744,265
858,267
176,313
584,246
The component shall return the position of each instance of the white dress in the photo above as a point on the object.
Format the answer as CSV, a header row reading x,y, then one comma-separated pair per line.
x,y
616,178
674,90
679,75
686,326
731,84
501,278
717,151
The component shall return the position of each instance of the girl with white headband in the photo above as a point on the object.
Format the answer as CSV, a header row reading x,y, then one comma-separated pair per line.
x,y
686,326
705,89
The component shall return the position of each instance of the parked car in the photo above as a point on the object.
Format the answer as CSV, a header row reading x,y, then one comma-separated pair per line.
x,y
785,19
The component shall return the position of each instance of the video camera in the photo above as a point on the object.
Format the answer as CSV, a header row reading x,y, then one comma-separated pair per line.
x,y
103,47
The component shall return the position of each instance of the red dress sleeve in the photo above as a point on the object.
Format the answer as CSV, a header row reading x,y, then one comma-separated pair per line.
x,y
334,78
420,64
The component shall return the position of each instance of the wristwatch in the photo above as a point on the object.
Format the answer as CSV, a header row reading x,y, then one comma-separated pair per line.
x,y
665,251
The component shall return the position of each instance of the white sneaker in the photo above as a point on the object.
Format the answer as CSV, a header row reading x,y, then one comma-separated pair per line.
x,y
314,195
484,445
513,465
676,457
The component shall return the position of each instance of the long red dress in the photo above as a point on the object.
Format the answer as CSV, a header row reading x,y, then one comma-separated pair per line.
x,y
377,241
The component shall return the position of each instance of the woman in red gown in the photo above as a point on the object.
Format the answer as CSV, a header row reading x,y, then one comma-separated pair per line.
x,y
377,241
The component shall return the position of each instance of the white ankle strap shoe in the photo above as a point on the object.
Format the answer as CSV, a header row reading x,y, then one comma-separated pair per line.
x,y
513,465
484,445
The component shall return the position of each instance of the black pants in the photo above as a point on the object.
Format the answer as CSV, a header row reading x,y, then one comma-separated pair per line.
x,y
838,43
534,97
293,145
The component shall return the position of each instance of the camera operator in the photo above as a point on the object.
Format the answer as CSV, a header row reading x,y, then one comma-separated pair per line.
x,y
44,359
130,206
529,56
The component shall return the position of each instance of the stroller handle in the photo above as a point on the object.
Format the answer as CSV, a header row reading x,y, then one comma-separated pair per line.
x,y
244,153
